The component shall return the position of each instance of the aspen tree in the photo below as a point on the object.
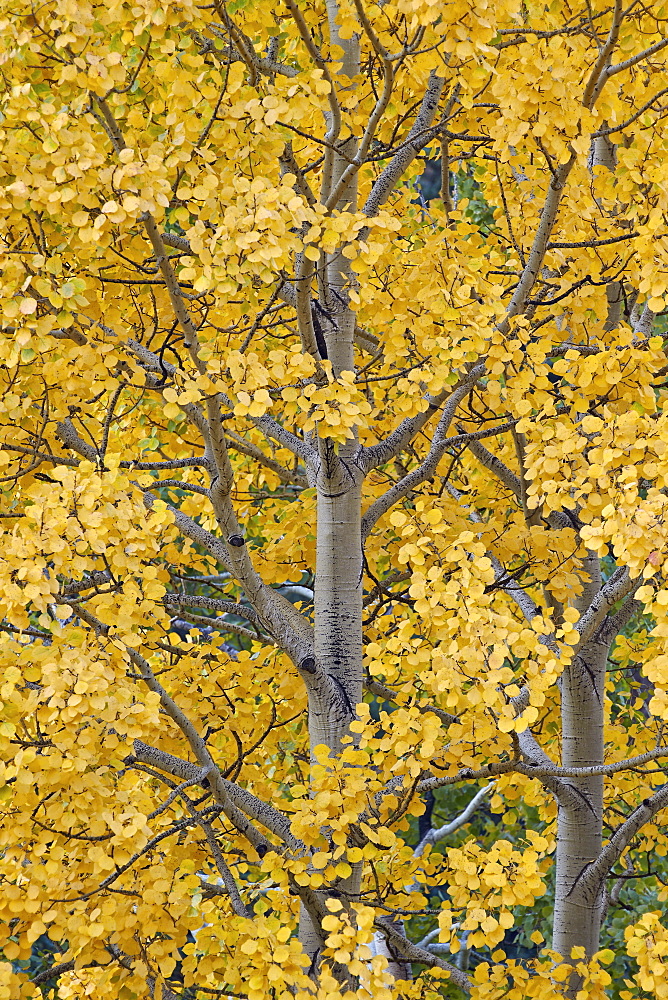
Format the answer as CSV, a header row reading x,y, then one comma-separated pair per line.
x,y
333,593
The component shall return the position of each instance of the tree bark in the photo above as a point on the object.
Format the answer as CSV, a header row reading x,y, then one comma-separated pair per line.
x,y
578,909
338,592
577,916
338,583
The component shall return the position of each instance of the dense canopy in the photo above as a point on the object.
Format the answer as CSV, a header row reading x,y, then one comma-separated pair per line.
x,y
334,480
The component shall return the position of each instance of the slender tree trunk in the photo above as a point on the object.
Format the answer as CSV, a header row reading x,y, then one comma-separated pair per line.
x,y
578,910
577,919
338,584
338,592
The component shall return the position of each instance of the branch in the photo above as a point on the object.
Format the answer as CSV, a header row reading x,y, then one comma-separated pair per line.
x,y
197,745
618,586
222,475
257,64
634,117
414,953
269,427
171,463
274,431
601,70
201,752
623,835
523,601
236,442
539,771
497,467
614,625
633,60
178,243
277,615
439,445
179,485
71,439
550,208
533,755
194,531
416,140
222,625
257,810
226,875
386,450
381,104
333,115
214,604
42,456
57,970
457,823
96,578
173,288
645,322
378,454
289,165
381,691
65,430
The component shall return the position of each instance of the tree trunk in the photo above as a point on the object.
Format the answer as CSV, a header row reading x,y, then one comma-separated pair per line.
x,y
576,919
578,910
338,592
338,583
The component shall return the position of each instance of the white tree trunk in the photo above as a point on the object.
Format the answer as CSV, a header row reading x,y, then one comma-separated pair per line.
x,y
338,584
338,593
578,910
576,916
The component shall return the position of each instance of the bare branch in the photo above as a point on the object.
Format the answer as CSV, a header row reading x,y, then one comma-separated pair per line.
x,y
600,71
634,60
385,451
229,882
226,627
623,835
275,432
65,430
426,470
97,578
414,953
257,810
40,455
438,833
634,117
276,614
54,971
541,771
237,443
375,117
416,140
378,454
178,485
618,586
214,604
555,191
333,116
